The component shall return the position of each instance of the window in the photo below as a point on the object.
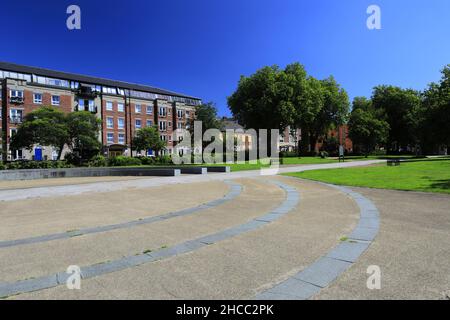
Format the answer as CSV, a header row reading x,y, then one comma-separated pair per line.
x,y
188,114
16,115
180,114
137,123
149,109
121,123
109,90
121,138
110,137
16,94
180,125
170,138
170,124
162,125
109,123
149,123
120,107
162,111
163,137
51,81
138,108
109,106
56,100
91,105
37,98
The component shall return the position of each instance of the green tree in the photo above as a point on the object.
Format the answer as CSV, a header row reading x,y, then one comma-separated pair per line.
x,y
401,109
83,128
366,126
207,114
148,138
436,112
334,111
45,126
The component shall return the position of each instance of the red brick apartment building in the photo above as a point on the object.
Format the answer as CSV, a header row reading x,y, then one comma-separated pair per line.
x,y
289,139
122,107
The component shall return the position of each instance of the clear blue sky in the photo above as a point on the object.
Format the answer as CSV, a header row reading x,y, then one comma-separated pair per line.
x,y
201,47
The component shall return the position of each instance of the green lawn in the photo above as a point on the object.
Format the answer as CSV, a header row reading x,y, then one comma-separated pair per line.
x,y
432,175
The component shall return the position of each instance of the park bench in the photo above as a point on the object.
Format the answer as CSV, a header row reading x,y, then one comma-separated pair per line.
x,y
393,162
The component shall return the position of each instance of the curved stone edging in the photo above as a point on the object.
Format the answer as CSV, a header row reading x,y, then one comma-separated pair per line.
x,y
235,191
291,201
326,269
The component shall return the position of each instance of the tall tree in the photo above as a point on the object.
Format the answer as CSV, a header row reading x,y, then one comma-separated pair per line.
x,y
83,128
334,111
45,126
367,128
401,108
436,112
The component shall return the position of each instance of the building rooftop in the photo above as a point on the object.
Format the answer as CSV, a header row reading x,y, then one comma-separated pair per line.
x,y
7,66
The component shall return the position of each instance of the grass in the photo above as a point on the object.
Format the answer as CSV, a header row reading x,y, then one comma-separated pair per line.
x,y
427,175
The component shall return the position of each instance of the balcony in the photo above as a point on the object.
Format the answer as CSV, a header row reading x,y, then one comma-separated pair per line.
x,y
16,100
86,91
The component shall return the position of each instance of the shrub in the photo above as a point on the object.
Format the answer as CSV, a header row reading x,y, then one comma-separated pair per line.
x,y
2,166
121,161
72,158
17,165
163,160
147,160
98,161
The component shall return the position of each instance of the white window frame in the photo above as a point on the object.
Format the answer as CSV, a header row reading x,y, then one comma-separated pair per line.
x,y
54,103
107,137
136,125
109,122
149,109
147,123
109,103
120,107
121,127
16,93
162,125
119,139
162,111
37,101
137,108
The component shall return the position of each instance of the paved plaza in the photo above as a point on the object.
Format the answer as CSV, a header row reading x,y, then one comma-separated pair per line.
x,y
236,235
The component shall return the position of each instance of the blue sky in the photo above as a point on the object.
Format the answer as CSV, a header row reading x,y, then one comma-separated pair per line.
x,y
201,47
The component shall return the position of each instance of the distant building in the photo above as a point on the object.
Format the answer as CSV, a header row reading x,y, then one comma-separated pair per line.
x,y
122,107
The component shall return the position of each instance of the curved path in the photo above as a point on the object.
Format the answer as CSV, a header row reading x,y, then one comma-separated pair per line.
x,y
325,270
236,189
29,285
265,244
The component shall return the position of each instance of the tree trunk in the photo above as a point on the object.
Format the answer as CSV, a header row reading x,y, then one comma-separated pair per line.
x,y
60,150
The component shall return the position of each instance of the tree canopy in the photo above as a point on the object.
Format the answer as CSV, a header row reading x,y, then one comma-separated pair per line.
x,y
273,98
49,126
366,126
148,138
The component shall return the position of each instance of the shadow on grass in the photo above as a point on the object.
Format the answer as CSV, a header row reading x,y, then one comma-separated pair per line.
x,y
441,184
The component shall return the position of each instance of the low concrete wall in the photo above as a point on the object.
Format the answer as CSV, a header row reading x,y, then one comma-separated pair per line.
x,y
32,174
193,170
219,169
